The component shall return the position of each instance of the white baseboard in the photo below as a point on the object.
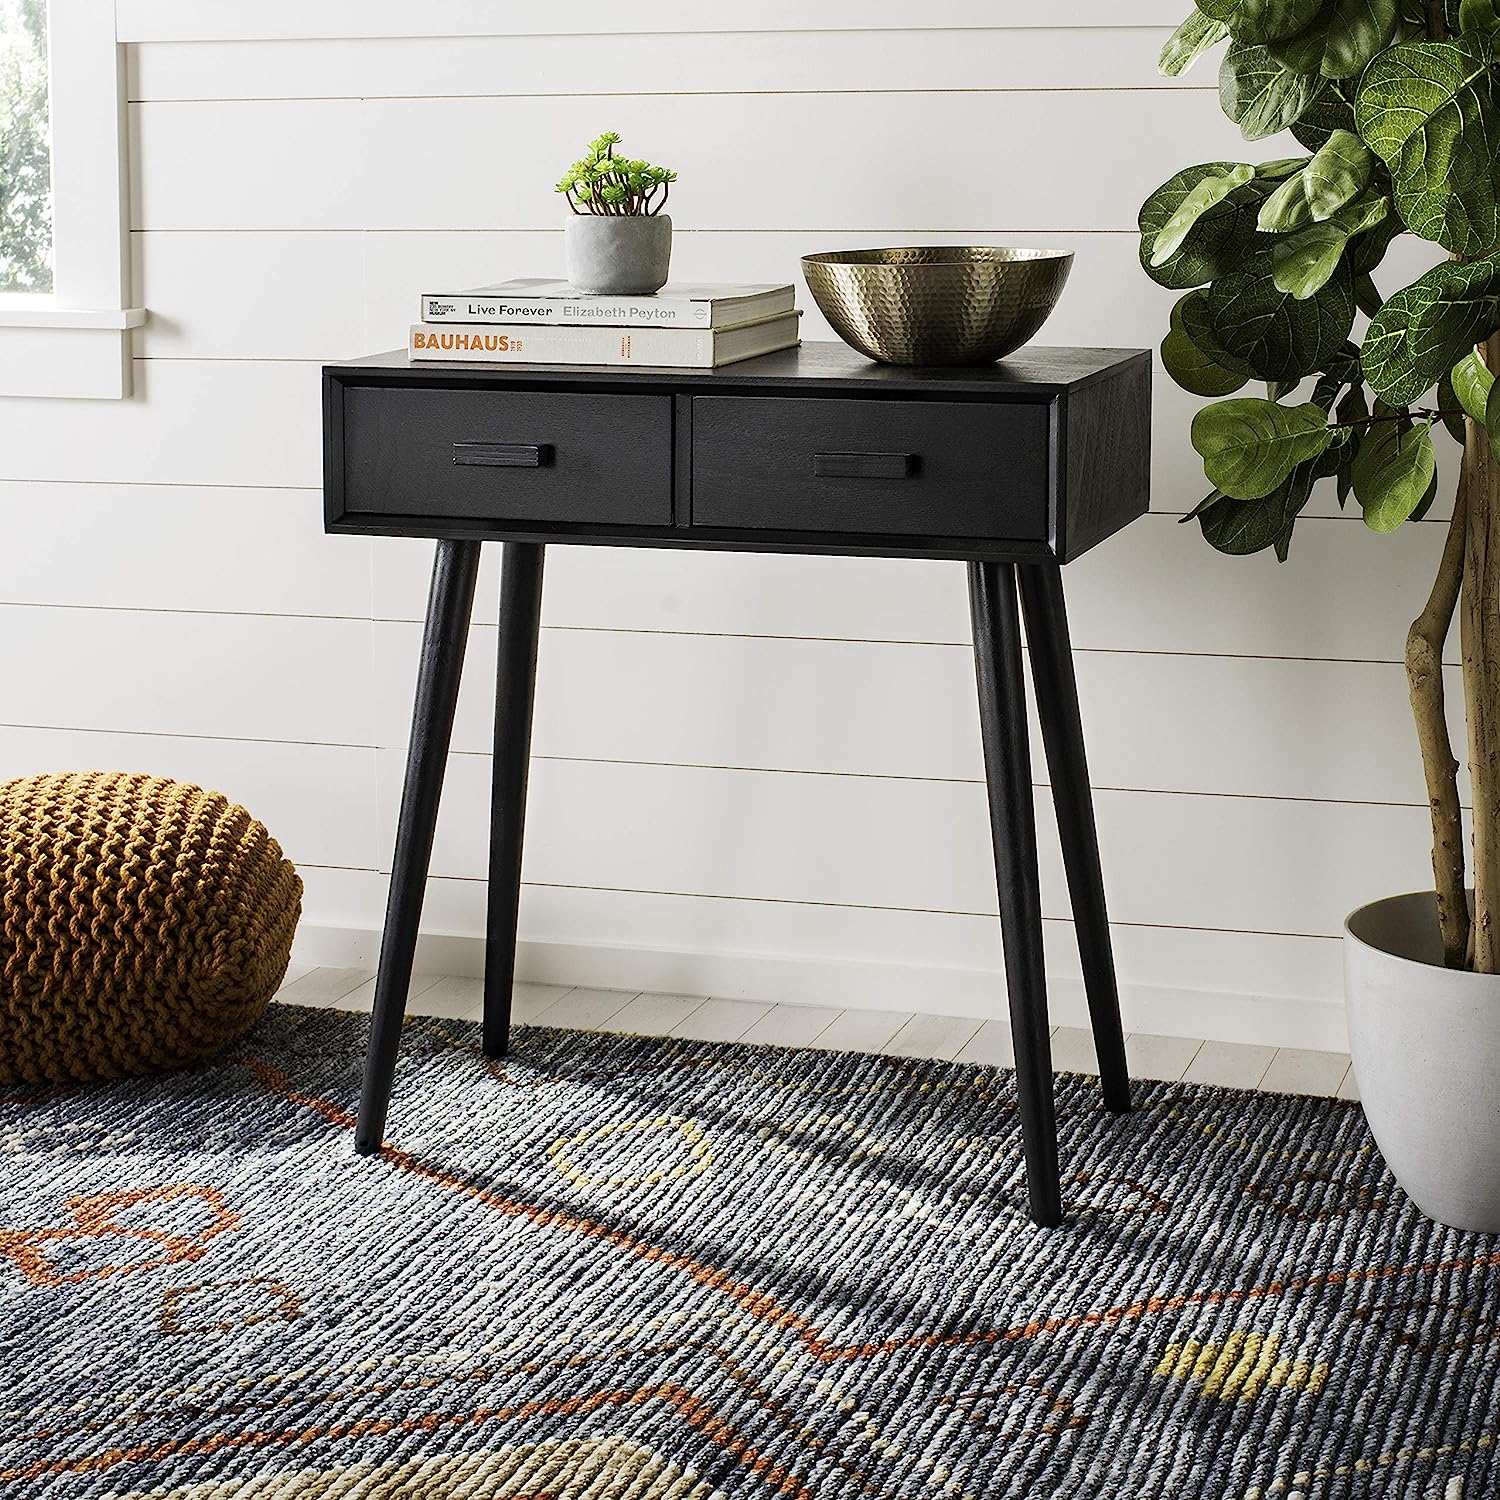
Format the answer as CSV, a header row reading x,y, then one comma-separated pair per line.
x,y
1224,1016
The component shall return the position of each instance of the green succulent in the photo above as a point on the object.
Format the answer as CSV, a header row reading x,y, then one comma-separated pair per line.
x,y
603,183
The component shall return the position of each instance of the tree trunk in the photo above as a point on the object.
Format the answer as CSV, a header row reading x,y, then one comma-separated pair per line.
x,y
1480,629
1424,675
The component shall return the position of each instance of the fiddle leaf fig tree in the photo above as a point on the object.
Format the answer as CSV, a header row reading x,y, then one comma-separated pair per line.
x,y
1396,105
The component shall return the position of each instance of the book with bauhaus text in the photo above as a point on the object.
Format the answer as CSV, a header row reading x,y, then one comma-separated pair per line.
x,y
683,348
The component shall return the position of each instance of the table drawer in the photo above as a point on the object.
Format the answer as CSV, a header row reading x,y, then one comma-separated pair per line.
x,y
931,468
491,455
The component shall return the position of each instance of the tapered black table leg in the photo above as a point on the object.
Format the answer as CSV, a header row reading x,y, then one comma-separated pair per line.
x,y
443,641
515,684
1062,734
1007,765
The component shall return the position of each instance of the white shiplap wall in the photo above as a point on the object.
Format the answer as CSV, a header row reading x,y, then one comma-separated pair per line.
x,y
754,775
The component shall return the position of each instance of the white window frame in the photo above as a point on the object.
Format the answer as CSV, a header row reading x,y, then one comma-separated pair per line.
x,y
75,340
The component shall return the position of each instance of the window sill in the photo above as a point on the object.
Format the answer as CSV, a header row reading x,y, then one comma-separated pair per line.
x,y
82,354
31,316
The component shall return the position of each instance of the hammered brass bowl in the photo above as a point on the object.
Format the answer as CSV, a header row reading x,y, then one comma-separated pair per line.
x,y
937,304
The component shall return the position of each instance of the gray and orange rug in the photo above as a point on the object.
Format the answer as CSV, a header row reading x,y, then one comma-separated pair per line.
x,y
620,1268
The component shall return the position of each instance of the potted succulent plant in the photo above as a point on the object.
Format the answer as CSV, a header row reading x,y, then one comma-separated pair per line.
x,y
618,239
1396,106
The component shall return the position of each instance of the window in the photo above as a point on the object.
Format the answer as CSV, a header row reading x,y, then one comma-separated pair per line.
x,y
64,313
25,155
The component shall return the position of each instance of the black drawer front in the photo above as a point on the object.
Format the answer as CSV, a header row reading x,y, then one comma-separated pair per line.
x,y
508,455
901,468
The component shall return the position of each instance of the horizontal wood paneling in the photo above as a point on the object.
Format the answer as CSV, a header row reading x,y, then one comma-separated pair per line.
x,y
164,547
1164,958
233,423
829,61
235,295
292,198
315,799
1170,860
269,677
906,161
300,295
337,897
183,20
1346,593
883,709
711,945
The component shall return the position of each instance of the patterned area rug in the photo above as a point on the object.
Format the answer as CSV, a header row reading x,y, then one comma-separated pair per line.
x,y
623,1268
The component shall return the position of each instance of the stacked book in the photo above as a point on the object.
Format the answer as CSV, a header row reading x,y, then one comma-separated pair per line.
x,y
532,321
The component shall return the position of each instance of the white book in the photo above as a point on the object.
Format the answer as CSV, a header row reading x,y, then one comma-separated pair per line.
x,y
536,300
680,348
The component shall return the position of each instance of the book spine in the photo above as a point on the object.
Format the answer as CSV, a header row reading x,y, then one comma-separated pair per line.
x,y
683,347
598,312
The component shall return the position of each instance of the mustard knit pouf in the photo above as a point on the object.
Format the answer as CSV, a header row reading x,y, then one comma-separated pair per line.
x,y
144,924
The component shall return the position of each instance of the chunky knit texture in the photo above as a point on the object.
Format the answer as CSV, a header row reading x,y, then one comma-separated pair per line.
x,y
145,924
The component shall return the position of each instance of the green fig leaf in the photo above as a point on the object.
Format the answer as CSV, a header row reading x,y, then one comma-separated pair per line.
x,y
1303,262
1329,109
1391,473
1250,446
1425,503
1262,20
1492,418
1211,498
1352,406
1472,383
1192,357
1478,15
1188,43
1283,166
1260,95
1431,112
1220,238
1341,39
1336,174
1208,193
1286,208
1368,250
1427,327
1367,296
1277,335
1240,527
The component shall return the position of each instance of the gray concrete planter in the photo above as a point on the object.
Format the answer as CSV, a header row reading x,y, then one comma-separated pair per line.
x,y
619,256
1426,1047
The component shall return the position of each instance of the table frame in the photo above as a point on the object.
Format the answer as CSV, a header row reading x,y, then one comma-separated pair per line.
x,y
1001,595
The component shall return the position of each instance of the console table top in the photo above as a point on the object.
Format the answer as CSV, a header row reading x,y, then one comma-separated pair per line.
x,y
1035,371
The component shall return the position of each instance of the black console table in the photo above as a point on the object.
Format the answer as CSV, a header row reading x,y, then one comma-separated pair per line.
x,y
1015,468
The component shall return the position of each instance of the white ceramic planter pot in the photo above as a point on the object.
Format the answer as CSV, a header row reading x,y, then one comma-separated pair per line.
x,y
620,256
1426,1047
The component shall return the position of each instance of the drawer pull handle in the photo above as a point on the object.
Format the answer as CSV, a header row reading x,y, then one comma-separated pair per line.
x,y
864,465
503,455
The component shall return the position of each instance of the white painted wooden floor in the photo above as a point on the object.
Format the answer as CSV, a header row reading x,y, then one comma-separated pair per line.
x,y
1229,1064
